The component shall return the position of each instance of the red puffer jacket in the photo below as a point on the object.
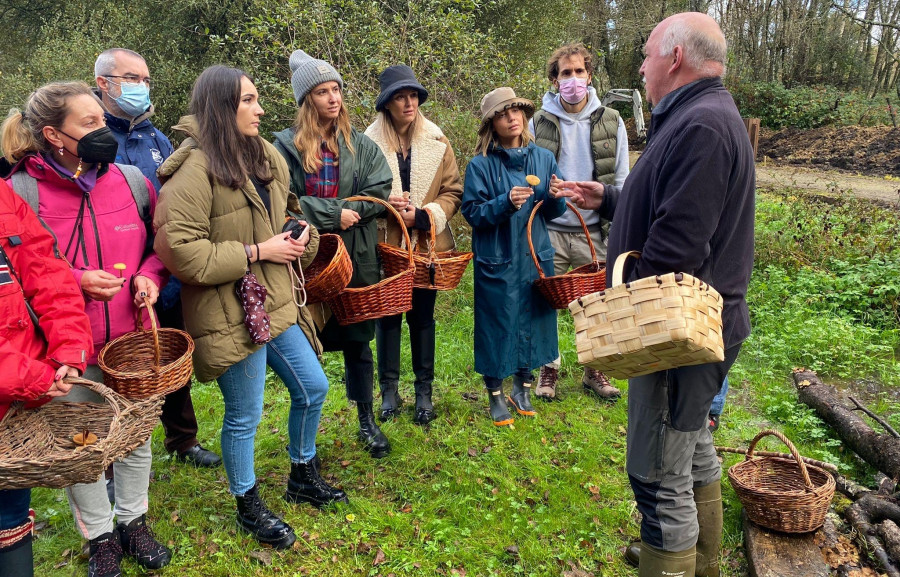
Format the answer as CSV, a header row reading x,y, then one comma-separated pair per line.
x,y
28,361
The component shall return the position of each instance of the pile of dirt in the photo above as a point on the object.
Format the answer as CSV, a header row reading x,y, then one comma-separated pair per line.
x,y
873,151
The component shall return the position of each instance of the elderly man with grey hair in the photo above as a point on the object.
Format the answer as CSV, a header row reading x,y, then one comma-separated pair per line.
x,y
687,206
123,85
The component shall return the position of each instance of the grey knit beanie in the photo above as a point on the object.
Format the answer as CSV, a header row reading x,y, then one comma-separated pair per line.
x,y
307,73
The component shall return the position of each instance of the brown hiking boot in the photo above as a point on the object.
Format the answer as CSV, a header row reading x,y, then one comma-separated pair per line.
x,y
598,383
546,389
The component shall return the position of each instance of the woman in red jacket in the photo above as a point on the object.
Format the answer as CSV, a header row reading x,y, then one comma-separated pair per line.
x,y
35,284
63,149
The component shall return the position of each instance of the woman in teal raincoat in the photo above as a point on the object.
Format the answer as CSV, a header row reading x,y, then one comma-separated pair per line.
x,y
515,327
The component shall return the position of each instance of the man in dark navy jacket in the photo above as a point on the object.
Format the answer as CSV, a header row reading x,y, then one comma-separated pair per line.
x,y
688,206
123,84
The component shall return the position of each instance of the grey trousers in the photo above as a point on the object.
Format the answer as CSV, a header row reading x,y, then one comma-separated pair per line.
x,y
670,449
89,503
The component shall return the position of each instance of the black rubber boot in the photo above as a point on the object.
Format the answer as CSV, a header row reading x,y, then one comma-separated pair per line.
x,y
376,443
305,485
421,344
499,411
254,517
521,397
17,559
390,401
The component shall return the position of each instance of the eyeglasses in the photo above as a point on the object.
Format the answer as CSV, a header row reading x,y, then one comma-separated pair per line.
x,y
133,79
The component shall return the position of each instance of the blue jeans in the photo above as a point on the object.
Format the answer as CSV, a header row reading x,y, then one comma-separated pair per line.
x,y
718,404
293,359
14,505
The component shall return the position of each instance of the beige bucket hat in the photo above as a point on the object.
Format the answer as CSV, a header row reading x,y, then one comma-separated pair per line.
x,y
500,99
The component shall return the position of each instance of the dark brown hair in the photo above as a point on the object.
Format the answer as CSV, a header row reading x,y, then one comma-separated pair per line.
x,y
569,50
232,156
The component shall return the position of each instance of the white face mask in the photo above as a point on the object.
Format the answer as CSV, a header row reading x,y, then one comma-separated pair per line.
x,y
573,90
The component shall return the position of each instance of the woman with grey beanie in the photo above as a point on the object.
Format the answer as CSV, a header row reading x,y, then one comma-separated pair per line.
x,y
330,161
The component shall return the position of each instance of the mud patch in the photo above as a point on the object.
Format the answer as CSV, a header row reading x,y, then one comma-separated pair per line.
x,y
873,151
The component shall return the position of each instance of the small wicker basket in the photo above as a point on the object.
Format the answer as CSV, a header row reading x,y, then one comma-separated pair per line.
x,y
37,448
330,271
563,289
652,324
144,363
784,495
390,296
434,270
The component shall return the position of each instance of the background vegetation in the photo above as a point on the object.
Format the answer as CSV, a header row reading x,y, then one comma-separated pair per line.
x,y
791,62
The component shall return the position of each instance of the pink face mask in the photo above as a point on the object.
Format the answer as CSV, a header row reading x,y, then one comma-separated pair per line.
x,y
573,90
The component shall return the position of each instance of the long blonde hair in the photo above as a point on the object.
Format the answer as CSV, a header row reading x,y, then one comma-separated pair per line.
x,y
389,134
22,132
487,136
308,136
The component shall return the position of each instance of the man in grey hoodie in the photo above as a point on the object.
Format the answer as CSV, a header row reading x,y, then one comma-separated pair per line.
x,y
590,143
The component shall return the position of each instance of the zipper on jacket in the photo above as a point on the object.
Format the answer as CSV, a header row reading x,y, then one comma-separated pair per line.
x,y
90,206
355,182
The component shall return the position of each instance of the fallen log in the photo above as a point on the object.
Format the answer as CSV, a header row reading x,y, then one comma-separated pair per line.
x,y
880,451
864,515
890,534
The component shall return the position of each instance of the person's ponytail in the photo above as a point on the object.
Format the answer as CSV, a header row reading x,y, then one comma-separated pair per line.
x,y
16,137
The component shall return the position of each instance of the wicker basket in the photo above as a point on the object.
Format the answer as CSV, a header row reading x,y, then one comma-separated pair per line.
x,y
784,495
37,447
144,363
330,271
649,325
434,270
391,296
563,289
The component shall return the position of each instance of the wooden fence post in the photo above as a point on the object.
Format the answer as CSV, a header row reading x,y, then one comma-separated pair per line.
x,y
752,125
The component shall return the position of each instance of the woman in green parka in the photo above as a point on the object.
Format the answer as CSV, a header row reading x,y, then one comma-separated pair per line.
x,y
220,216
330,161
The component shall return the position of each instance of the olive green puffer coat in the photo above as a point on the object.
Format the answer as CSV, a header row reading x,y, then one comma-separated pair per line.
x,y
203,226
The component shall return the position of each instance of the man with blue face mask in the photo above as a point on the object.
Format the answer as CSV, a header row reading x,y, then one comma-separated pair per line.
x,y
590,143
123,85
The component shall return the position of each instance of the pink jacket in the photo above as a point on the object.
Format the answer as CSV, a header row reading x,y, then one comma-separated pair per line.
x,y
113,232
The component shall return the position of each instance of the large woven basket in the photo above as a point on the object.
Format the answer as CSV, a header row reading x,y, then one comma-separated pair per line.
x,y
562,289
330,271
37,447
144,363
781,494
652,324
434,270
390,296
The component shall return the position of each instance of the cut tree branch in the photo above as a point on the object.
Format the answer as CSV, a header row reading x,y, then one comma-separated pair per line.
x,y
874,417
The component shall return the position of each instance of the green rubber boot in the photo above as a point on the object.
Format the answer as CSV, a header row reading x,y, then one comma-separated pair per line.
x,y
658,563
709,516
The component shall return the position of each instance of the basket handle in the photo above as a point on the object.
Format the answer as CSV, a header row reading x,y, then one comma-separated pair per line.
x,y
376,200
619,266
794,453
584,227
154,327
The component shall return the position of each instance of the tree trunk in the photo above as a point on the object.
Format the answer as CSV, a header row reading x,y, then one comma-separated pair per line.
x,y
880,451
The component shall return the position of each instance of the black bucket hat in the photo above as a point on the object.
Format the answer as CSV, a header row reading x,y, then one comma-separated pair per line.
x,y
395,78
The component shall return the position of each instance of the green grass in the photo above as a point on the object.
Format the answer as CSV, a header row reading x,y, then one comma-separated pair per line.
x,y
453,499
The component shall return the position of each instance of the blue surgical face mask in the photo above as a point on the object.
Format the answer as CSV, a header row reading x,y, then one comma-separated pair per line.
x,y
135,98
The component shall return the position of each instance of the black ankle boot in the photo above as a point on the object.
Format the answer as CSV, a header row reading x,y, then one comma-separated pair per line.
x,y
17,559
390,401
499,411
305,485
521,397
424,407
254,517
376,443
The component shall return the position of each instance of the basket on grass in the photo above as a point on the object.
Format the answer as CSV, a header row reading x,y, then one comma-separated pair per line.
x,y
38,448
651,324
144,363
781,494
330,271
391,296
562,289
434,270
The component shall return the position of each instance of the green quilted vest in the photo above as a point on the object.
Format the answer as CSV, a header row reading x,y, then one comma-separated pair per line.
x,y
604,128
